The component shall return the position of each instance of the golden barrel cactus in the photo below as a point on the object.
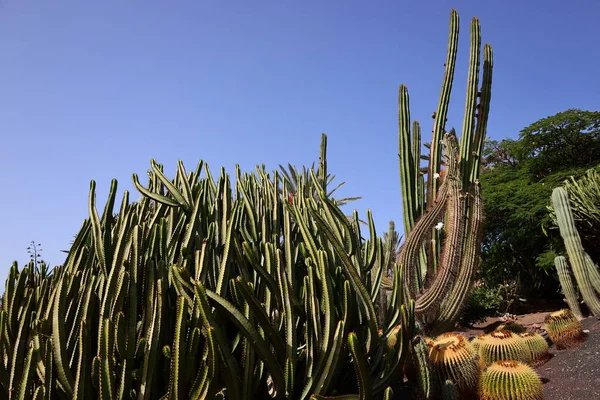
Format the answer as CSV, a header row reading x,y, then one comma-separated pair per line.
x,y
454,358
538,347
564,329
502,345
510,380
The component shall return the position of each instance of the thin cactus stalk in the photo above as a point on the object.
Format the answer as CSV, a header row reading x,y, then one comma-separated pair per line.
x,y
438,274
566,282
583,267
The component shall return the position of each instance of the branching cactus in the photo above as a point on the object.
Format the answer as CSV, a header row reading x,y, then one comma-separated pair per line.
x,y
443,216
203,289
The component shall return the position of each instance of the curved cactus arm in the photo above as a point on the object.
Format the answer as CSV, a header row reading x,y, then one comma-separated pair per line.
x,y
181,200
567,286
455,301
254,337
429,301
566,224
410,251
154,196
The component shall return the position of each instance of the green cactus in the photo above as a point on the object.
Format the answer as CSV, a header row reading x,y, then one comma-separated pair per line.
x,y
202,289
439,273
585,271
449,391
566,282
538,348
454,359
423,368
564,329
512,326
502,345
509,379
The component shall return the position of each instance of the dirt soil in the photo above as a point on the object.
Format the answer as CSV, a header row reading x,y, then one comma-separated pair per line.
x,y
572,374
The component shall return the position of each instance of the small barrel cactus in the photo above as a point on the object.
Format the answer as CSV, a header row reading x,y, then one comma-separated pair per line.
x,y
511,326
538,347
454,359
564,329
502,345
509,379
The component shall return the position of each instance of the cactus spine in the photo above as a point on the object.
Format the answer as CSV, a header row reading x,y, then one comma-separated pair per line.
x,y
585,271
439,275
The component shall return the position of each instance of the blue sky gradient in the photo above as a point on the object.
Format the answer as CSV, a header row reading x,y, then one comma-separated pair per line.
x,y
94,90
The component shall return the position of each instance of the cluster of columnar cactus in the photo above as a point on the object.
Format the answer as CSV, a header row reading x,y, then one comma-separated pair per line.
x,y
443,216
201,290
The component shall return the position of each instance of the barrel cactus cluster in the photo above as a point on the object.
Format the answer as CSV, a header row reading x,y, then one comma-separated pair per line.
x,y
494,366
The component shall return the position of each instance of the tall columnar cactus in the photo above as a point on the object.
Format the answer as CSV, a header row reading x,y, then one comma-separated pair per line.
x,y
586,272
439,273
202,290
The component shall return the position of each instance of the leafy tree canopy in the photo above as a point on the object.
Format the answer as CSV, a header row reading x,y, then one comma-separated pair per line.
x,y
517,180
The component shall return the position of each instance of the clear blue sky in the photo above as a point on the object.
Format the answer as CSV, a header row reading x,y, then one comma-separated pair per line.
x,y
95,89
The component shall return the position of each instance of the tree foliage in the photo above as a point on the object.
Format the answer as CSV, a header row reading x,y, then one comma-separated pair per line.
x,y
517,181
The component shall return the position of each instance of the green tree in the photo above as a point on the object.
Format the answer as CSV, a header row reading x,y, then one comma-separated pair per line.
x,y
517,180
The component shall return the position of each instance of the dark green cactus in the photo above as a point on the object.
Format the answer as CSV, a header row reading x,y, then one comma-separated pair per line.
x,y
438,268
201,290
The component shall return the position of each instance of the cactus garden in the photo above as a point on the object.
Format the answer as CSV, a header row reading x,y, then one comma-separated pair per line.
x,y
209,283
